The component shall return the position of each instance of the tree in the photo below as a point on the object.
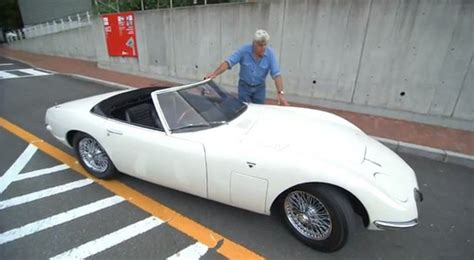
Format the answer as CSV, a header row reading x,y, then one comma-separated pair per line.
x,y
10,16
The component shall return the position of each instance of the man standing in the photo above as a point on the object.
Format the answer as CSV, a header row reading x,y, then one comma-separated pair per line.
x,y
255,60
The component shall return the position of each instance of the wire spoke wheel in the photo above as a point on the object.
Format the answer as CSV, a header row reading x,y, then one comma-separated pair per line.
x,y
93,155
308,215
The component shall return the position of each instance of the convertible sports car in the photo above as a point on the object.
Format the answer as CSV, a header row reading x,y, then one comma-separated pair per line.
x,y
321,173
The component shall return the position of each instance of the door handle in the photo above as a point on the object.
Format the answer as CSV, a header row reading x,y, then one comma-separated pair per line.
x,y
115,132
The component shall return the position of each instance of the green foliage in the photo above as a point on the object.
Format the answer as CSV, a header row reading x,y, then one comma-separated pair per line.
x,y
112,6
10,17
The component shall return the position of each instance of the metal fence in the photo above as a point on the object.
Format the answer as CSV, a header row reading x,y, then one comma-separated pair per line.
x,y
53,26
100,7
66,23
111,6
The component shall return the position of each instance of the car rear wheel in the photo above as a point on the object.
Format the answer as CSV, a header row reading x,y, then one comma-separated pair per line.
x,y
319,216
92,156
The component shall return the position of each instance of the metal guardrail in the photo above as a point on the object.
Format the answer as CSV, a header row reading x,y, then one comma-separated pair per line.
x,y
53,26
84,19
108,6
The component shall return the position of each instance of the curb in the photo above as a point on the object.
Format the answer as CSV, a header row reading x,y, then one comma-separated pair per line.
x,y
436,154
428,152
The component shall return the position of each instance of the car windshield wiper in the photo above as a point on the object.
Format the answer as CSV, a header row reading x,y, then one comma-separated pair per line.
x,y
209,124
190,126
215,123
240,109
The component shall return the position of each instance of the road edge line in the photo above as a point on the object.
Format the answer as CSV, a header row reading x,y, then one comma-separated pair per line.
x,y
208,237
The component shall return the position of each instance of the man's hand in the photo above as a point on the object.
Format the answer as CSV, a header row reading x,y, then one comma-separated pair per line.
x,y
282,100
210,76
223,67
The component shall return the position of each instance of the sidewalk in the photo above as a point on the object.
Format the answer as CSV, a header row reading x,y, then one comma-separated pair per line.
x,y
446,139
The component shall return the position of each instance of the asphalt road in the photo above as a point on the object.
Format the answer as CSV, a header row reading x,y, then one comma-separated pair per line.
x,y
446,228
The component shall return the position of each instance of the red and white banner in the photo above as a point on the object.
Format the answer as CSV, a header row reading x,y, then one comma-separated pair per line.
x,y
119,29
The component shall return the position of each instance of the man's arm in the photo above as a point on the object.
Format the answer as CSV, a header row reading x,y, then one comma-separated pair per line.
x,y
279,87
227,64
223,67
276,75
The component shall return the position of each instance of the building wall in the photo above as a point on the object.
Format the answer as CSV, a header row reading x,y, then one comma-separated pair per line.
x,y
408,59
41,11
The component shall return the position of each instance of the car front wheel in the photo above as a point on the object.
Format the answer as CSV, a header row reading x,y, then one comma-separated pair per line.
x,y
92,156
319,216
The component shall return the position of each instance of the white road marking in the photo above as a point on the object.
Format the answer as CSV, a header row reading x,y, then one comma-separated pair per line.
x,y
194,251
6,75
40,172
34,72
58,219
10,175
98,245
6,64
44,193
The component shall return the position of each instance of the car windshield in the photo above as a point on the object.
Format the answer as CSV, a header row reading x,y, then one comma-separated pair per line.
x,y
199,107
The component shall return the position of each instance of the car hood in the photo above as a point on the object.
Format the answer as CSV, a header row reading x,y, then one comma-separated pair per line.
x,y
305,131
296,131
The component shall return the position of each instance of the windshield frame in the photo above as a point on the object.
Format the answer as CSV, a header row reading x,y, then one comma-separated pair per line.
x,y
159,109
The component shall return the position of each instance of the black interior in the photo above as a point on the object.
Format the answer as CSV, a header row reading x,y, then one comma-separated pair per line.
x,y
135,107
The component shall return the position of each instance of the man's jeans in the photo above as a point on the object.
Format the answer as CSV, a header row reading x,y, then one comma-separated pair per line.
x,y
251,94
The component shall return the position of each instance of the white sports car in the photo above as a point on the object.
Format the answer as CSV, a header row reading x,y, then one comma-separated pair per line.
x,y
318,171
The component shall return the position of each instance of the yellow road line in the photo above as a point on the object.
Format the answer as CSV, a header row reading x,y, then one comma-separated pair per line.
x,y
188,226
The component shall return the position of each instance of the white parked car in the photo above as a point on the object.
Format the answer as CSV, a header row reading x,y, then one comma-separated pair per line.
x,y
318,171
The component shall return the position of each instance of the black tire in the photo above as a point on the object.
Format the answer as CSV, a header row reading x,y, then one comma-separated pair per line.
x,y
109,172
341,215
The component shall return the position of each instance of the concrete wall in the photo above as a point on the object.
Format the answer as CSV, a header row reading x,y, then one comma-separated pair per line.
x,y
422,49
408,59
76,43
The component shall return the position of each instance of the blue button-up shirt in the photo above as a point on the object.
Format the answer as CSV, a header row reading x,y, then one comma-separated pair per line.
x,y
254,71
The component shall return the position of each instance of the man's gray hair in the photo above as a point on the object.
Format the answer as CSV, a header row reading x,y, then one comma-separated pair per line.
x,y
261,36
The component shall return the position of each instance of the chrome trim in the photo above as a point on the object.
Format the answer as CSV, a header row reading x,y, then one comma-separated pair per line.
x,y
395,225
93,155
177,88
308,215
159,110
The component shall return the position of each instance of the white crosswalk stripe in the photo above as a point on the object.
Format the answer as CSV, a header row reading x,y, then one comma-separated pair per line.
x,y
33,72
11,174
98,245
58,219
41,172
194,251
6,75
10,74
44,193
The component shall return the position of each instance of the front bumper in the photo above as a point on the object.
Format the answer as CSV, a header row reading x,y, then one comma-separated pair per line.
x,y
400,225
395,225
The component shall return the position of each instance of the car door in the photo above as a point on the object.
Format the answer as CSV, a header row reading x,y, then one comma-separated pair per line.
x,y
154,156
